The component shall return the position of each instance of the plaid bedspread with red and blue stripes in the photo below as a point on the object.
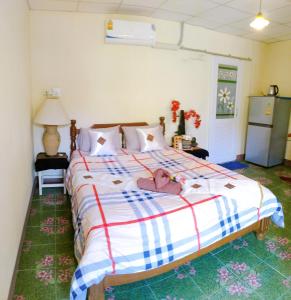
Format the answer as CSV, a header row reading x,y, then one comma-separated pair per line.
x,y
120,229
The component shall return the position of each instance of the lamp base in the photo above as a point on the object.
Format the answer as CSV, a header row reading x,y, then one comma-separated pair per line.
x,y
51,140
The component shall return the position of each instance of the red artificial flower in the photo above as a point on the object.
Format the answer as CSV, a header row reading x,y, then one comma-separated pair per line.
x,y
197,123
174,108
192,113
187,115
175,105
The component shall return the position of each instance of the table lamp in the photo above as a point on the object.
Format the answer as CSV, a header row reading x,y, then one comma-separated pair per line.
x,y
51,114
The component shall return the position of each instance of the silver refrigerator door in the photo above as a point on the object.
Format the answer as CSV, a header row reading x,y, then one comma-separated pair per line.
x,y
258,144
261,110
279,131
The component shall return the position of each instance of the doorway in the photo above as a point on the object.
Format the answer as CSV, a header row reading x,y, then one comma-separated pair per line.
x,y
224,109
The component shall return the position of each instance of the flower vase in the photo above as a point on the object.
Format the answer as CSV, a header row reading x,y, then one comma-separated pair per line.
x,y
181,126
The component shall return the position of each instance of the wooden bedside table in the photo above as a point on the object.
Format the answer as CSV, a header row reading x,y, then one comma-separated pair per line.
x,y
44,162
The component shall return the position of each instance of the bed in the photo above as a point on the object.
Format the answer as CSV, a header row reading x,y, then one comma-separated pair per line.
x,y
124,234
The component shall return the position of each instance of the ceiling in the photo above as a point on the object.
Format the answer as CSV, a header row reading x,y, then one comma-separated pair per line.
x,y
229,16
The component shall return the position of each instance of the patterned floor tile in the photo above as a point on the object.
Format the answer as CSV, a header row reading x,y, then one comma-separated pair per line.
x,y
270,284
64,234
143,293
64,275
281,265
161,277
205,274
220,249
41,217
238,280
256,247
231,254
63,290
63,203
275,231
40,235
63,217
286,296
34,257
127,287
65,249
236,291
179,287
35,285
45,204
200,259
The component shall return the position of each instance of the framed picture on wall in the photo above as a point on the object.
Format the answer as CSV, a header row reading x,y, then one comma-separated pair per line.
x,y
226,91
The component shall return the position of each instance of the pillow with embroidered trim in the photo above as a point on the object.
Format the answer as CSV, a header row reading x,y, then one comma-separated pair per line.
x,y
132,142
83,138
151,139
102,142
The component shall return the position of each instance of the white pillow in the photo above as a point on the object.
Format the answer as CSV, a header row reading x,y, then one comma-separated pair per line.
x,y
151,139
83,138
102,142
131,137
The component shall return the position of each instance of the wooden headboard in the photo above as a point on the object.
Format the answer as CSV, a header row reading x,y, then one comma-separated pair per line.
x,y
74,131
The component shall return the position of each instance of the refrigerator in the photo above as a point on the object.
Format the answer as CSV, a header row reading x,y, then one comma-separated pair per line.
x,y
267,130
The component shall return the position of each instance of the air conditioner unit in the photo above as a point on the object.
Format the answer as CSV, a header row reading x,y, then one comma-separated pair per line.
x,y
128,32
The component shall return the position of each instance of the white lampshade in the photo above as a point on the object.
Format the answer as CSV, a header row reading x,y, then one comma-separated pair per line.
x,y
51,112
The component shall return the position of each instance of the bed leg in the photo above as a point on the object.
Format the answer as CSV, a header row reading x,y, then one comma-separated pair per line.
x,y
96,292
263,229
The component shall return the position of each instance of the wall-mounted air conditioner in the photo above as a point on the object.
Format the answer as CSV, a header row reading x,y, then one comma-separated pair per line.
x,y
128,32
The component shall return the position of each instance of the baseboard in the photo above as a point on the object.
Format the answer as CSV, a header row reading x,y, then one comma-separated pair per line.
x,y
13,281
240,157
287,162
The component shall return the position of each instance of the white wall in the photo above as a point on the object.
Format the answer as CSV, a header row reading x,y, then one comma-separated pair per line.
x,y
112,83
277,71
16,140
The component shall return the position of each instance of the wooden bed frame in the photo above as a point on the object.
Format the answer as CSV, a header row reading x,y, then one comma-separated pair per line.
x,y
74,131
97,292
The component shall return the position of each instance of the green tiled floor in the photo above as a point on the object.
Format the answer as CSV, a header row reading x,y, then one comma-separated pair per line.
x,y
244,269
47,261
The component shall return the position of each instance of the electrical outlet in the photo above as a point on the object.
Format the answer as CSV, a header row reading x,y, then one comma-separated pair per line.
x,y
54,92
